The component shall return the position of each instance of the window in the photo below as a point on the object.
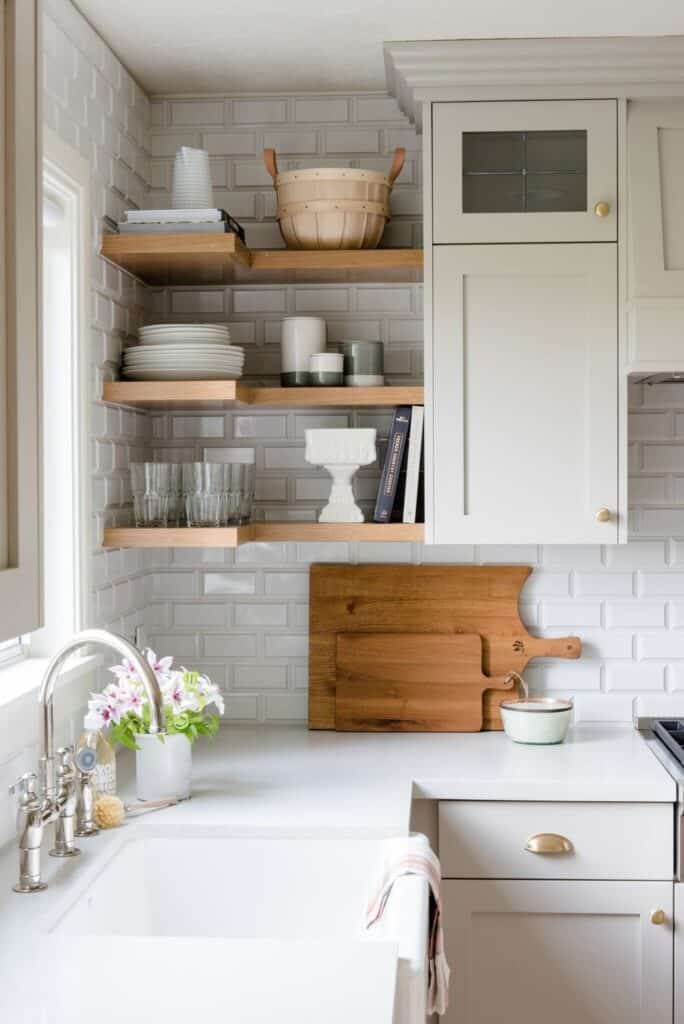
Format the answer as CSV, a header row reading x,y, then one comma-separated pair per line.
x,y
14,649
20,604
65,293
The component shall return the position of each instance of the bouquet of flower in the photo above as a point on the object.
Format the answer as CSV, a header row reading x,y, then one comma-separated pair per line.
x,y
187,695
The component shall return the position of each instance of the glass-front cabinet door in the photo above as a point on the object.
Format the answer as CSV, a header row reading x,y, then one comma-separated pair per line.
x,y
528,171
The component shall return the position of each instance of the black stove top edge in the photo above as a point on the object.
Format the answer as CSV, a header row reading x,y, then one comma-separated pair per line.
x,y
670,731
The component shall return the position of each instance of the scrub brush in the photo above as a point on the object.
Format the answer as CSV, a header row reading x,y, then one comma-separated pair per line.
x,y
110,811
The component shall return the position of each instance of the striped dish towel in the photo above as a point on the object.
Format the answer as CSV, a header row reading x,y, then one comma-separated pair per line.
x,y
411,855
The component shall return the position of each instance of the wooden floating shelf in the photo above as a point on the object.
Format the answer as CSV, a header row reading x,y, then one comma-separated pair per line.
x,y
205,259
206,394
233,536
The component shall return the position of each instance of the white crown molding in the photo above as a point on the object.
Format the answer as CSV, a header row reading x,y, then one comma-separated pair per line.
x,y
471,69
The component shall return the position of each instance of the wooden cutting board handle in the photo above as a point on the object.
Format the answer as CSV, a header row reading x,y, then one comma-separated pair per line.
x,y
560,647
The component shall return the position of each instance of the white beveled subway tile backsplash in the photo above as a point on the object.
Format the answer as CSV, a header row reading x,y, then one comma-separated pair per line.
x,y
353,130
247,621
242,615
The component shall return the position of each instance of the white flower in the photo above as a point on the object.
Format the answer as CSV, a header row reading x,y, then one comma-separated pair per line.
x,y
160,666
182,691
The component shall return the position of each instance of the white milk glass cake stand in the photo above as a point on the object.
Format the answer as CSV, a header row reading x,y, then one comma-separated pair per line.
x,y
341,453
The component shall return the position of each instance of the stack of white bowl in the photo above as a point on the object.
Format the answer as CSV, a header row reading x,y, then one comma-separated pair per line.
x,y
183,352
191,180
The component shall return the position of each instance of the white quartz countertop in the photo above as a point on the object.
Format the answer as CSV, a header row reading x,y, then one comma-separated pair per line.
x,y
288,781
288,777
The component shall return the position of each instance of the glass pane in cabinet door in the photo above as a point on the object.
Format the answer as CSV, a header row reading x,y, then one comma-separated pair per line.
x,y
493,193
555,193
524,172
493,152
556,152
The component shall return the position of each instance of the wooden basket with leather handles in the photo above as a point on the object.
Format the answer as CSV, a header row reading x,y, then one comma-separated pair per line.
x,y
333,207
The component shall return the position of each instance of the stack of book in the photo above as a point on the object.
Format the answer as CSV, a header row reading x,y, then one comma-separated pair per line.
x,y
145,222
400,494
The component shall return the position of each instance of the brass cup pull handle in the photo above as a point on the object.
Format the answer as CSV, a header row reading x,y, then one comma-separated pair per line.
x,y
658,917
602,209
548,842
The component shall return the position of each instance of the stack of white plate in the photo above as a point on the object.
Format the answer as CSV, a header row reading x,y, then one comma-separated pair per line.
x,y
183,352
191,188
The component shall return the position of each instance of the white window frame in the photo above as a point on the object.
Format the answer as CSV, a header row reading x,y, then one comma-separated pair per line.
x,y
20,595
66,574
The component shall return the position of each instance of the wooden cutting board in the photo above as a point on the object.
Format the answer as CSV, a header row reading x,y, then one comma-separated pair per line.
x,y
410,682
422,599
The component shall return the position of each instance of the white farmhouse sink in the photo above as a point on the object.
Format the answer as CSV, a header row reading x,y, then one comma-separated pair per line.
x,y
267,929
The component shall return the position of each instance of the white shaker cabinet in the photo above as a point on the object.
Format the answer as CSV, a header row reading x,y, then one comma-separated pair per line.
x,y
656,228
530,952
533,171
522,420
525,394
554,234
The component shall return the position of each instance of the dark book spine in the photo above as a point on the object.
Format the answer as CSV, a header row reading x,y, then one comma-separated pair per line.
x,y
390,471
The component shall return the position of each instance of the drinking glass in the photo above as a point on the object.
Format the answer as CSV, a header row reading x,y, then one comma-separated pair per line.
x,y
202,487
150,486
237,493
176,499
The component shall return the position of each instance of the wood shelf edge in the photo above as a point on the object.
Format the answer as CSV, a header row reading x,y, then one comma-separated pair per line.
x,y
157,394
183,243
233,536
205,258
330,397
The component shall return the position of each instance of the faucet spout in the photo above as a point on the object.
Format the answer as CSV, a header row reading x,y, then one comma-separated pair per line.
x,y
55,798
120,646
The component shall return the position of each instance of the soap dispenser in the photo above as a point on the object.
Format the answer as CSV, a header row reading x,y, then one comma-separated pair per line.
x,y
95,753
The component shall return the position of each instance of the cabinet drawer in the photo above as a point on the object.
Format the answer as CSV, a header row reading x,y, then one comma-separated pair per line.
x,y
480,839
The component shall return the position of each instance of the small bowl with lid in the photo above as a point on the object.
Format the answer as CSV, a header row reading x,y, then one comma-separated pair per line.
x,y
536,719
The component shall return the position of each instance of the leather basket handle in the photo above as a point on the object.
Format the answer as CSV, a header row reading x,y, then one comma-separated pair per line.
x,y
397,164
272,163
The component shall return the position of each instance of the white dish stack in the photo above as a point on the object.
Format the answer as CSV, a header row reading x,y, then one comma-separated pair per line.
x,y
191,180
183,352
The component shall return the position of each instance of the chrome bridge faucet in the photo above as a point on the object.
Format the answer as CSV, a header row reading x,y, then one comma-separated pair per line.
x,y
51,796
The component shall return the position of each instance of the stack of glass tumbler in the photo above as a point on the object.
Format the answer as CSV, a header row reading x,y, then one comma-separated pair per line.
x,y
194,493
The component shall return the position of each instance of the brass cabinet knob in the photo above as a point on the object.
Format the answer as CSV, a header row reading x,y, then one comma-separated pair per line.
x,y
602,209
603,515
658,917
548,842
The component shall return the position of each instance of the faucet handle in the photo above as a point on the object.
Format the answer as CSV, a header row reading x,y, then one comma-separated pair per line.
x,y
65,756
25,787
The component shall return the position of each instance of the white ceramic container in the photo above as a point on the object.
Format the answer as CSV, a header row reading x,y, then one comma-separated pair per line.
x,y
326,362
326,369
536,719
191,188
341,452
301,338
163,767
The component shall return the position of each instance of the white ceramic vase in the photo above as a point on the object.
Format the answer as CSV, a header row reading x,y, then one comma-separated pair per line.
x,y
163,767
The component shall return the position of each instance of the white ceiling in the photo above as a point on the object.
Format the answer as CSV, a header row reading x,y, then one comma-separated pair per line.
x,y
317,45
